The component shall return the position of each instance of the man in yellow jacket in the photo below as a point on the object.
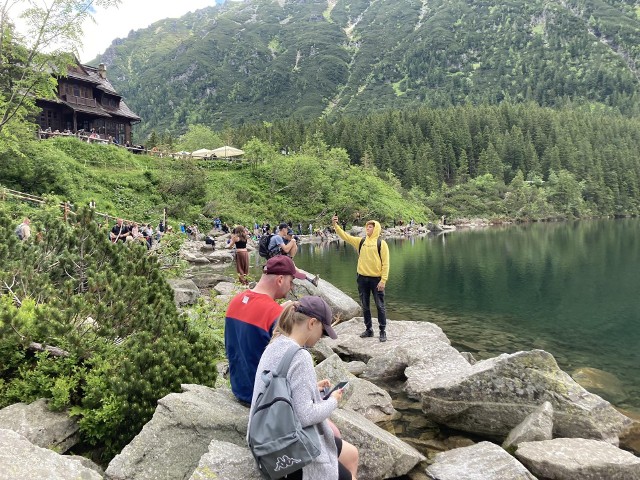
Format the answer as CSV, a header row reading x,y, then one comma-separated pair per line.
x,y
373,272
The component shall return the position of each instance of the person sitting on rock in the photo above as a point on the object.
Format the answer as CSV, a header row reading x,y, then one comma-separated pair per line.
x,y
277,245
302,324
250,320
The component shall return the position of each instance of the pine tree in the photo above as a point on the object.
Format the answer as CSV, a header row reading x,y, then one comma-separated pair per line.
x,y
109,310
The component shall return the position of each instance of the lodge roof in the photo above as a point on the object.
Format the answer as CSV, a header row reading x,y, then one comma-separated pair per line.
x,y
90,74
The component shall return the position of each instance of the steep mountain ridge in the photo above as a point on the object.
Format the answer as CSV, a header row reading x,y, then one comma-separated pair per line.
x,y
262,60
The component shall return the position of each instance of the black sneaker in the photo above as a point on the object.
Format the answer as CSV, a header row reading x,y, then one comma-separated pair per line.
x,y
367,333
383,336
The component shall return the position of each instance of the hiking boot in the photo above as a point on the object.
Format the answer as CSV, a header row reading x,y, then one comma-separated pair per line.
x,y
367,333
383,336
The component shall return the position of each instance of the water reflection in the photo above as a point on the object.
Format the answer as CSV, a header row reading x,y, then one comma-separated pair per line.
x,y
569,288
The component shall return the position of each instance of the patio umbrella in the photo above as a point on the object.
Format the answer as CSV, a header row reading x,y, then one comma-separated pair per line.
x,y
226,152
203,153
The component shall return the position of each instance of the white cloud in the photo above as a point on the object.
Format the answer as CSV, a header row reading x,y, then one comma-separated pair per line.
x,y
130,15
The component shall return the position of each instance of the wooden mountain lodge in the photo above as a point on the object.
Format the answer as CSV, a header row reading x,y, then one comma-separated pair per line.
x,y
87,101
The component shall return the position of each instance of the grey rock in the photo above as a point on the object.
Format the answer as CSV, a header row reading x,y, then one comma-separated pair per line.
x,y
342,305
170,445
535,427
469,357
41,426
226,461
185,292
400,334
356,368
382,455
360,396
220,257
493,396
602,383
226,288
207,279
87,463
578,459
321,351
197,258
20,459
483,461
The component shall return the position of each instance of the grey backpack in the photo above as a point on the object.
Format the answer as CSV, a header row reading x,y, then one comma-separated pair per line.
x,y
19,231
277,440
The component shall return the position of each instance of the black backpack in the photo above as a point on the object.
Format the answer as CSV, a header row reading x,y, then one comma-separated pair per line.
x,y
263,246
379,246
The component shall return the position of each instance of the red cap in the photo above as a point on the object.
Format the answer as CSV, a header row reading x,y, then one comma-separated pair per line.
x,y
282,265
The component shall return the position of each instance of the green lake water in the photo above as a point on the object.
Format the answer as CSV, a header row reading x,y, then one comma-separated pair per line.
x,y
572,289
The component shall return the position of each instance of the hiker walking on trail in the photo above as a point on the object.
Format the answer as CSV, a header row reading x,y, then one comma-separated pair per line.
x,y
23,231
373,272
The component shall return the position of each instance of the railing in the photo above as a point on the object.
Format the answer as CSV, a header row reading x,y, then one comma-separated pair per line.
x,y
88,138
27,197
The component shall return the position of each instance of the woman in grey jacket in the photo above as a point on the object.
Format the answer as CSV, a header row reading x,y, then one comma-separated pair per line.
x,y
302,323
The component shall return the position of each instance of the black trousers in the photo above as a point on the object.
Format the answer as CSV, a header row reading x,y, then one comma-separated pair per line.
x,y
366,287
343,473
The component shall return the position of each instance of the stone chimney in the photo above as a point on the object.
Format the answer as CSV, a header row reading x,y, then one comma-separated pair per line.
x,y
102,70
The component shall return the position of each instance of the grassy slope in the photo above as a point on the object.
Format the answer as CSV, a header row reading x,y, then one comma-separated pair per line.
x,y
297,188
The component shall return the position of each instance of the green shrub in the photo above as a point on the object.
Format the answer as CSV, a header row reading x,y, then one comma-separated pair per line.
x,y
110,309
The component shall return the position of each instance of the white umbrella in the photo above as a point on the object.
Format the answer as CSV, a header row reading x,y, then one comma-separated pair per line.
x,y
203,153
226,152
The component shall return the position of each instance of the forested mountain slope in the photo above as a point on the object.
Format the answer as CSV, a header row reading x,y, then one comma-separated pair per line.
x,y
263,60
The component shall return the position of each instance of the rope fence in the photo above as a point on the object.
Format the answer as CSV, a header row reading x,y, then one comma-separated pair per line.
x,y
66,207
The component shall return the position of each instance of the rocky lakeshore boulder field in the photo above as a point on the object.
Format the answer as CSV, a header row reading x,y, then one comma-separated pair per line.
x,y
528,419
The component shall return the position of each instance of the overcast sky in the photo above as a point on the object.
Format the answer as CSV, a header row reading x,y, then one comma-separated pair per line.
x,y
131,15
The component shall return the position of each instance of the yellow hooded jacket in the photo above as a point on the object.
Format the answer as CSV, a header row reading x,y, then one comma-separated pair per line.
x,y
370,263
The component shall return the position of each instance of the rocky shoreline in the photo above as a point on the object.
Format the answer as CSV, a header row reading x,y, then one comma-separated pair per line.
x,y
514,416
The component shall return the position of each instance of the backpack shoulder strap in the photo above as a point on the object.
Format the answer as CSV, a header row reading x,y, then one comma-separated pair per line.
x,y
283,368
379,246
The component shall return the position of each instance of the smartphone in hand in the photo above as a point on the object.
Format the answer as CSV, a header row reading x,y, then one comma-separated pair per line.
x,y
337,387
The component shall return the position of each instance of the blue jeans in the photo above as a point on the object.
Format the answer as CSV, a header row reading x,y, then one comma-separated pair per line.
x,y
367,286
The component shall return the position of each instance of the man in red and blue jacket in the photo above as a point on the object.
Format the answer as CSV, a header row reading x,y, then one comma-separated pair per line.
x,y
250,320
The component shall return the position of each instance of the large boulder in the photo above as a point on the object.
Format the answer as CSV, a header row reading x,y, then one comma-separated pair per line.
x,y
228,288
342,305
21,459
185,292
184,424
400,334
382,455
226,461
602,383
41,426
535,427
578,459
361,396
630,437
493,396
483,461
220,257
